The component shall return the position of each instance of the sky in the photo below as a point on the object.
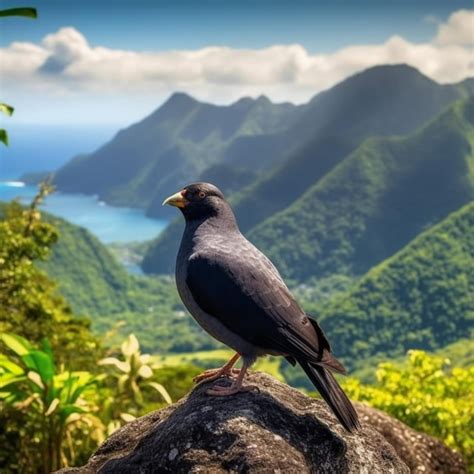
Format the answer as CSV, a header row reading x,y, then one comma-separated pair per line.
x,y
113,62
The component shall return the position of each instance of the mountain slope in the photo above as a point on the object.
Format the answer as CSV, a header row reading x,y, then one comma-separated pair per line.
x,y
88,276
422,297
171,147
376,201
97,286
383,100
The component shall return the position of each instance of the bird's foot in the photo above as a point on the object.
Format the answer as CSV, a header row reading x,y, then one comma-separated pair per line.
x,y
214,374
221,391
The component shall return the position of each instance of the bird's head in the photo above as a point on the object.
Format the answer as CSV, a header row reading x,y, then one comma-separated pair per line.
x,y
199,201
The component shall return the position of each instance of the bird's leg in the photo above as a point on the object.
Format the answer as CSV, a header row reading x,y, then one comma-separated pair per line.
x,y
214,374
236,387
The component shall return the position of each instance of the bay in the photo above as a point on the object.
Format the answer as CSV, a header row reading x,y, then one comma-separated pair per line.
x,y
108,223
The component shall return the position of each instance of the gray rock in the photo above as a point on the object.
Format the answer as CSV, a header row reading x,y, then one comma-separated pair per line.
x,y
420,452
278,430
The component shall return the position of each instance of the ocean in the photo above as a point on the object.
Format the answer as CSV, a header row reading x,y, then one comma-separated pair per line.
x,y
108,223
46,148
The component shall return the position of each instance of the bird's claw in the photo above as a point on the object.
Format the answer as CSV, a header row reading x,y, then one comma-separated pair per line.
x,y
214,374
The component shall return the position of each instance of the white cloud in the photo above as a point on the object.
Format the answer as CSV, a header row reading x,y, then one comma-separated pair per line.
x,y
459,29
64,64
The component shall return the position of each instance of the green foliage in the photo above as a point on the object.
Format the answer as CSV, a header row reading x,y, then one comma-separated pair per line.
x,y
88,276
36,398
428,394
51,416
461,352
377,200
6,109
317,293
419,298
133,374
26,12
30,304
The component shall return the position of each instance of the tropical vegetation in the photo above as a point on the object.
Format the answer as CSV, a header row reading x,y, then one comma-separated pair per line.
x,y
429,393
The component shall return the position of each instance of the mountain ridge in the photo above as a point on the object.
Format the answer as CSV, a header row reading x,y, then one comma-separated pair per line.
x,y
420,297
310,161
173,144
375,201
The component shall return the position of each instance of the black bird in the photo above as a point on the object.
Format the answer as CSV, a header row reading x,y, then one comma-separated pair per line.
x,y
237,295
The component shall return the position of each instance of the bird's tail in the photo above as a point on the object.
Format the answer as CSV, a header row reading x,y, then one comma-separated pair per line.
x,y
333,394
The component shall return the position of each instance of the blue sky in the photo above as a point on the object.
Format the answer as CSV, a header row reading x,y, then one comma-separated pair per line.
x,y
154,24
115,61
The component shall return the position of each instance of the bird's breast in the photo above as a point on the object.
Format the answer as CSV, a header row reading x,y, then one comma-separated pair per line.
x,y
209,323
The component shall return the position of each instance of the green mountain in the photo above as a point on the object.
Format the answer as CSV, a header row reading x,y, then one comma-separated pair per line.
x,y
422,297
173,146
376,201
383,100
97,286
88,276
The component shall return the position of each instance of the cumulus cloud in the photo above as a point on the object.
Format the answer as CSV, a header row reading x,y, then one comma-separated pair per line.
x,y
459,29
65,62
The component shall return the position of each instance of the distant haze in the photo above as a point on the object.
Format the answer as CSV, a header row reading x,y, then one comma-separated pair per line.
x,y
46,147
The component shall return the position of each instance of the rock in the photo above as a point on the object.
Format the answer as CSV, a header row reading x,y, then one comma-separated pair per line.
x,y
278,430
420,452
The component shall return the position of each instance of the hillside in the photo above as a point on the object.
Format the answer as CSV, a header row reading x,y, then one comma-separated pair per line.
x,y
422,297
376,201
97,286
383,100
173,146
89,277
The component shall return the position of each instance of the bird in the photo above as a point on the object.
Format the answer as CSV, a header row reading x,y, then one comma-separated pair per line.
x,y
238,296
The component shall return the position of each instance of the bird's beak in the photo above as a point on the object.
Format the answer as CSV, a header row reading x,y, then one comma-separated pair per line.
x,y
177,200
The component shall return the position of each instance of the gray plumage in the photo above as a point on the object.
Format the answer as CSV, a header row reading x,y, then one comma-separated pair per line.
x,y
237,295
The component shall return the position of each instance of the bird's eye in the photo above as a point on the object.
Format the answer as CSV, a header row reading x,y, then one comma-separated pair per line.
x,y
201,195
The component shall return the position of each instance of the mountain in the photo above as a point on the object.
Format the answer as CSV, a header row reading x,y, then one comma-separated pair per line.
x,y
118,303
173,146
383,100
88,276
376,201
421,297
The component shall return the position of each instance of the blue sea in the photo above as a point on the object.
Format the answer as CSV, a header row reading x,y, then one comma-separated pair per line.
x,y
108,223
47,147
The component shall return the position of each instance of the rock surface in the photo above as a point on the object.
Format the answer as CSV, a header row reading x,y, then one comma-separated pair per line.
x,y
277,430
420,452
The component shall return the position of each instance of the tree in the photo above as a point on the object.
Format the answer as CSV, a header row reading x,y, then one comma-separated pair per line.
x,y
30,305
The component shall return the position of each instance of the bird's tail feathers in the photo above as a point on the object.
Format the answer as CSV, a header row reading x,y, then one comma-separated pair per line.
x,y
327,360
331,363
333,394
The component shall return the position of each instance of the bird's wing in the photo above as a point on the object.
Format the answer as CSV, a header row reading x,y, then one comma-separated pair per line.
x,y
243,290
